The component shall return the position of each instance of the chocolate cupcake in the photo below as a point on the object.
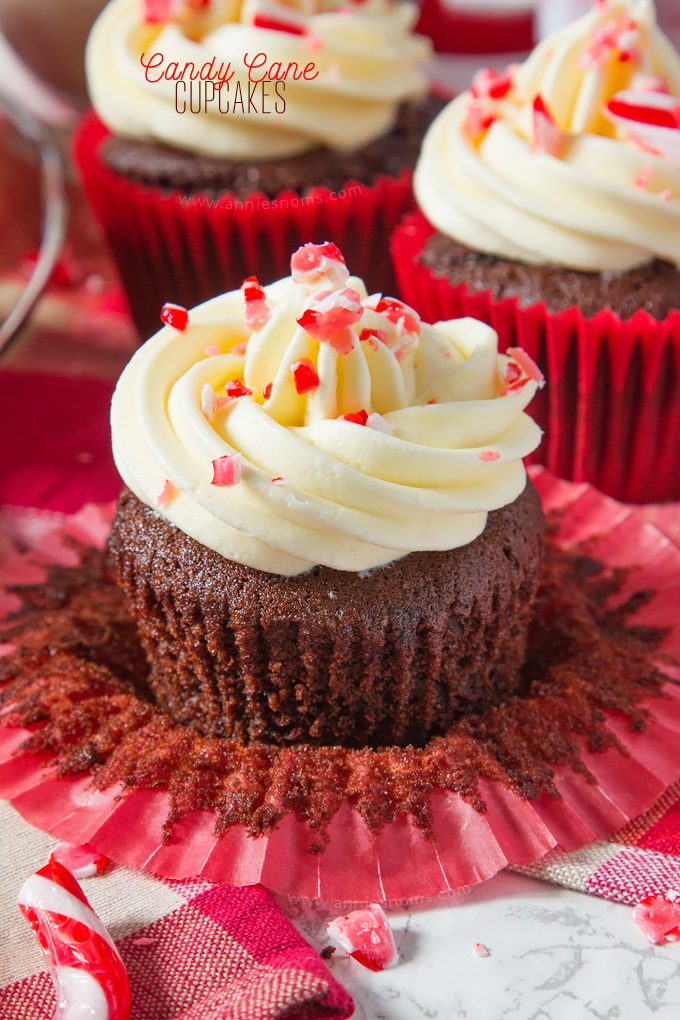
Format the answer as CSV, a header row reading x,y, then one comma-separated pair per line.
x,y
551,202
226,135
326,535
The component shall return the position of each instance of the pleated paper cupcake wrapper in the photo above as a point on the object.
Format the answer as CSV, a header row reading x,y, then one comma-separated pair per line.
x,y
459,28
611,407
399,864
186,250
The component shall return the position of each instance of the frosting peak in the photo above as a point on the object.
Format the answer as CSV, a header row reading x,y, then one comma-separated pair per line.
x,y
537,165
335,429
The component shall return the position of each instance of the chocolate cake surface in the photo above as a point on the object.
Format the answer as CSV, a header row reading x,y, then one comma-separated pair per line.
x,y
654,287
328,657
155,164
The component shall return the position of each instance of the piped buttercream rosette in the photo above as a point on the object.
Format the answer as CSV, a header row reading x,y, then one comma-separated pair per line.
x,y
311,423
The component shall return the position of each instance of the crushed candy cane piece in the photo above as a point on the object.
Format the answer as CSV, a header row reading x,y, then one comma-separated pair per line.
x,y
175,315
208,401
279,18
665,195
267,391
549,138
157,10
489,455
526,363
166,494
405,319
212,350
487,82
356,417
479,949
642,179
227,470
620,35
329,318
365,935
82,861
655,109
304,375
311,262
89,976
240,348
374,337
478,119
659,918
377,422
236,388
313,42
257,312
279,480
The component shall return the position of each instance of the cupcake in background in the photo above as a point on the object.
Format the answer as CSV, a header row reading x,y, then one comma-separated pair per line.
x,y
550,197
313,134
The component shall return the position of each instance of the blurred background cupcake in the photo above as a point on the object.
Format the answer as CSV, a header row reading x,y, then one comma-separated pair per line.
x,y
313,134
551,202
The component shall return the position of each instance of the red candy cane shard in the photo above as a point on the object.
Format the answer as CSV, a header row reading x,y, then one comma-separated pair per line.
x,y
489,455
227,470
157,10
311,262
257,312
548,136
88,973
81,861
329,318
655,109
175,316
279,18
526,363
488,83
659,918
356,417
478,119
304,376
403,317
365,935
235,388
162,499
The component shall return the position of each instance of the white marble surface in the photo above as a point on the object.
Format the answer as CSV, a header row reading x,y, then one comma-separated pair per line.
x,y
554,955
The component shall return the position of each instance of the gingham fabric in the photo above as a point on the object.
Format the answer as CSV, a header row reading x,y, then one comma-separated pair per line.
x,y
207,952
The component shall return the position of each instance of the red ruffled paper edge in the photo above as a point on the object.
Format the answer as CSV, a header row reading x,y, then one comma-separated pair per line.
x,y
186,250
613,395
470,31
399,864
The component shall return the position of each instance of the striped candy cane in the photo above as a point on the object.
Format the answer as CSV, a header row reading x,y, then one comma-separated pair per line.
x,y
88,973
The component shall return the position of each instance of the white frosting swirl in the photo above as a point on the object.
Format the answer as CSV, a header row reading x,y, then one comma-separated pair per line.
x,y
446,448
585,207
366,56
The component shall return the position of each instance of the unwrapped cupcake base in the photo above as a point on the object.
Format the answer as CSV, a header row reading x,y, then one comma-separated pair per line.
x,y
399,864
611,406
186,250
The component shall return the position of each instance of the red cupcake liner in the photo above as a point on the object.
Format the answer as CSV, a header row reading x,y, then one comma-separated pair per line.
x,y
400,863
611,409
465,30
170,248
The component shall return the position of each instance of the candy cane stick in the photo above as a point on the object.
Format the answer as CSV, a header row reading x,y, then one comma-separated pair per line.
x,y
88,973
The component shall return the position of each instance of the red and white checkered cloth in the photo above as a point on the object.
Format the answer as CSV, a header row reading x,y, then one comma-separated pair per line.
x,y
207,952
